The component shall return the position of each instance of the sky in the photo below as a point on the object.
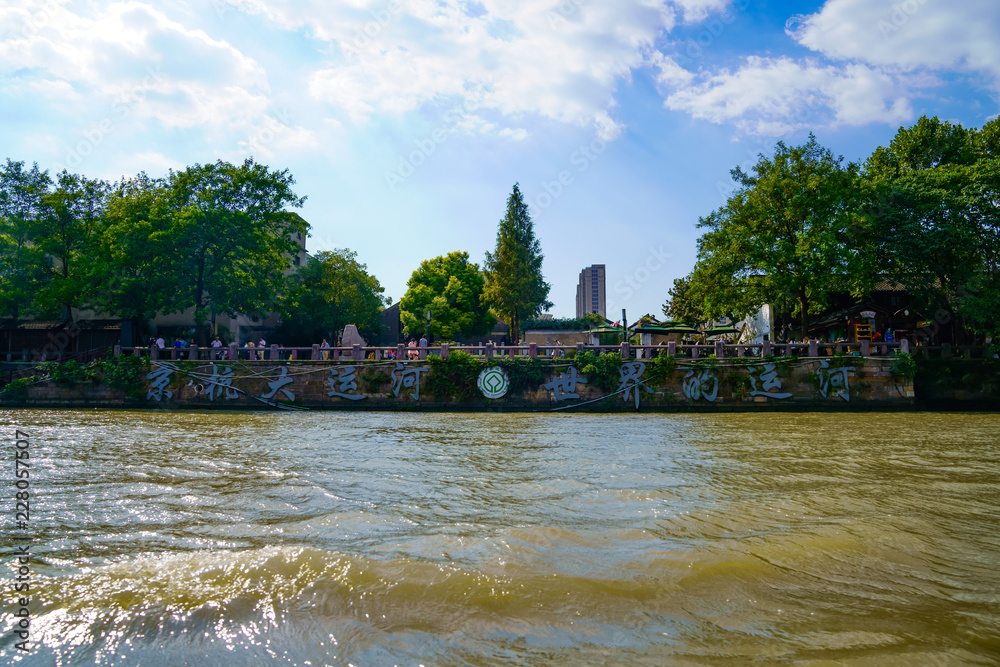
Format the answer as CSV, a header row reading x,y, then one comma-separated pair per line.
x,y
406,123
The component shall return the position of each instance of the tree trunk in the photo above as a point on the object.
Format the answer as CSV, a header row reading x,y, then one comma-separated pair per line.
x,y
804,307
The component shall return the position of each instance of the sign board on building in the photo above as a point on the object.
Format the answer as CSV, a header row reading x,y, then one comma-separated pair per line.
x,y
868,314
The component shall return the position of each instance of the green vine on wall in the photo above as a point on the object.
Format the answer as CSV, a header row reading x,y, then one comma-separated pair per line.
x,y
67,373
454,377
660,368
903,365
602,370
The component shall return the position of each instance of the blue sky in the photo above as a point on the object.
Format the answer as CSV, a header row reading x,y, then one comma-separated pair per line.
x,y
406,123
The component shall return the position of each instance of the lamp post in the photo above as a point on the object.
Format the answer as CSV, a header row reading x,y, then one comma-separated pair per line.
x,y
427,335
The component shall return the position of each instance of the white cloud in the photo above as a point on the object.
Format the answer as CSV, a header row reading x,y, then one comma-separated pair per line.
x,y
908,34
128,62
771,96
870,60
561,61
698,10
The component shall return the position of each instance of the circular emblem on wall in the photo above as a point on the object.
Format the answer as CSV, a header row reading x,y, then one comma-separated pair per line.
x,y
493,382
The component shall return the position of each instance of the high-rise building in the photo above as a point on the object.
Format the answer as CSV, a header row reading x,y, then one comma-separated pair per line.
x,y
590,291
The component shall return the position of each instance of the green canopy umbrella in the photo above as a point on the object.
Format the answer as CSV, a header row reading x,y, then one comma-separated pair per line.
x,y
677,327
604,329
720,331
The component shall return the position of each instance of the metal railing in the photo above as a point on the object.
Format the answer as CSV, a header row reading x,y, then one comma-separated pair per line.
x,y
719,349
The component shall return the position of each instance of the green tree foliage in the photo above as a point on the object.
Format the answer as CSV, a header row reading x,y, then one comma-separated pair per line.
x,y
785,233
450,287
67,234
515,286
682,305
588,321
928,144
933,197
132,267
231,236
331,291
23,267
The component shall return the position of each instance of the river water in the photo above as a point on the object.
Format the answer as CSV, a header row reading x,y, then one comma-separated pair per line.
x,y
487,539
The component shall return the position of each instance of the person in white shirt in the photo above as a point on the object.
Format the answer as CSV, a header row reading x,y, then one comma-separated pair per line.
x,y
262,344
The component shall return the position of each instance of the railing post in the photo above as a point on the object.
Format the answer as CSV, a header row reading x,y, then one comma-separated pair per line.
x,y
672,348
694,351
532,350
444,350
579,349
489,350
765,348
866,348
272,354
193,354
356,353
813,348
234,351
315,352
945,350
904,346
154,352
624,349
118,351
720,349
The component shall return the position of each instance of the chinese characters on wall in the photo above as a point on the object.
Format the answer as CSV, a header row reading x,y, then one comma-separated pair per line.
x,y
697,384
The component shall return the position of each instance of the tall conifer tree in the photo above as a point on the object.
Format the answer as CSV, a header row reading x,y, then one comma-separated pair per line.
x,y
515,286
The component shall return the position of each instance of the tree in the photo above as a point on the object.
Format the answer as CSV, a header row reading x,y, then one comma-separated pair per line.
x,y
683,304
331,291
450,287
515,287
933,197
928,144
67,234
133,263
23,267
232,238
785,233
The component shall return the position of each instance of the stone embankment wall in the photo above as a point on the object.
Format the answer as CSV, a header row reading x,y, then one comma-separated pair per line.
x,y
839,383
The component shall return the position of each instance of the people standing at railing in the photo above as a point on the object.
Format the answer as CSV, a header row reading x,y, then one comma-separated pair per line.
x,y
217,347
413,349
325,347
261,344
